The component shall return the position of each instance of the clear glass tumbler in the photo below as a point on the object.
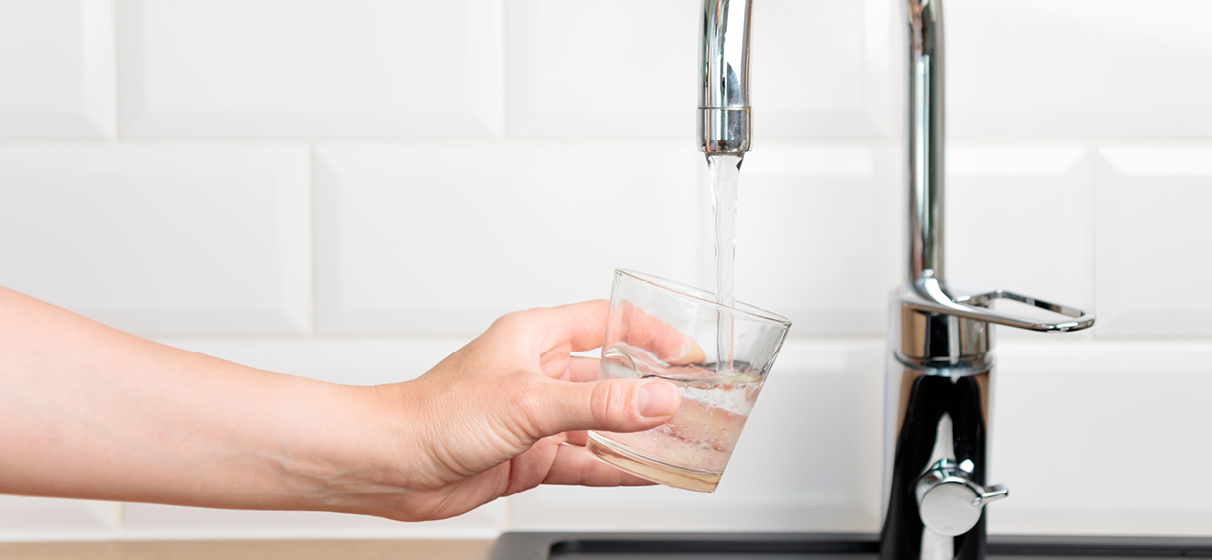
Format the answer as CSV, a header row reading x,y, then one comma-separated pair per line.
x,y
718,356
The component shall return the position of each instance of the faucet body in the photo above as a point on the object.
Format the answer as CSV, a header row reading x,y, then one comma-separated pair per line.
x,y
940,366
938,376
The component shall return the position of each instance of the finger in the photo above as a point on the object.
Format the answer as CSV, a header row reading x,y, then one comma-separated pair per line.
x,y
579,438
528,469
574,465
616,405
579,326
582,369
660,338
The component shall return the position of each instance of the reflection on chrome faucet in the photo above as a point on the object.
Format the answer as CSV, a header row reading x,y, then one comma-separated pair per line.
x,y
940,365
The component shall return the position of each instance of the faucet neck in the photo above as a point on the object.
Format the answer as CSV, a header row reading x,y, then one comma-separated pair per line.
x,y
926,139
724,114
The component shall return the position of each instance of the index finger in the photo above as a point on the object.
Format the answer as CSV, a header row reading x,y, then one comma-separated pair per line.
x,y
632,326
577,326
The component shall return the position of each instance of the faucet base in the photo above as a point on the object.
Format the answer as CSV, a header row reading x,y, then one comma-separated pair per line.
x,y
942,426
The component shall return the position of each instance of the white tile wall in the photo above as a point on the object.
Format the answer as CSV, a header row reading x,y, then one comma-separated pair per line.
x,y
818,236
1044,69
291,68
581,69
442,240
161,239
825,70
1000,235
1106,438
57,60
1154,240
24,518
437,164
348,361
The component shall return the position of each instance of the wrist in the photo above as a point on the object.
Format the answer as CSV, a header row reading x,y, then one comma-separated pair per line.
x,y
361,450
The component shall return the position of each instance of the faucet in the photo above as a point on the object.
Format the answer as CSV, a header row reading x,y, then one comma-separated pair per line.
x,y
940,365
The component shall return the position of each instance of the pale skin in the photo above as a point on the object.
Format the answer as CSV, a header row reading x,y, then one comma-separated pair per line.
x,y
87,411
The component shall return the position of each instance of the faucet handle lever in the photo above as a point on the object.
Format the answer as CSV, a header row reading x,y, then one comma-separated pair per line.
x,y
1081,319
991,494
933,298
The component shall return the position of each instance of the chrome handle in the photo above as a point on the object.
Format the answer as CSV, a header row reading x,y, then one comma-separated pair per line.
x,y
934,299
992,494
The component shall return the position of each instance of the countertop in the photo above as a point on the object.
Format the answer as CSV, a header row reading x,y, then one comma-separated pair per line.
x,y
251,550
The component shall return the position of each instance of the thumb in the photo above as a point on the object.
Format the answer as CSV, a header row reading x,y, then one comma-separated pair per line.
x,y
616,405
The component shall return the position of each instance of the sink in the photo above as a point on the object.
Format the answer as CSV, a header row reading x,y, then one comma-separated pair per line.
x,y
819,546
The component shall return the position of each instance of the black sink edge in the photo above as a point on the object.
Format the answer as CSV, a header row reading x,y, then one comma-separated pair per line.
x,y
542,546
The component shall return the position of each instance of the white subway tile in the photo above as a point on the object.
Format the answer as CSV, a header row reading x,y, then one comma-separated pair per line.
x,y
1078,68
159,522
818,232
291,68
24,518
341,360
443,239
57,59
826,69
581,69
808,460
820,68
161,239
1021,218
1154,254
1104,438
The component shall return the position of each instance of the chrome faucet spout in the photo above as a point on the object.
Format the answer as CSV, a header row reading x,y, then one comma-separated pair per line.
x,y
926,139
724,114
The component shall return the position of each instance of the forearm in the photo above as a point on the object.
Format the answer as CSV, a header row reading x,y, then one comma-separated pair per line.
x,y
90,412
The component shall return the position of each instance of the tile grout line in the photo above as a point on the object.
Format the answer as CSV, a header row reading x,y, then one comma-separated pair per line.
x,y
118,525
1096,154
312,303
804,142
506,515
116,89
502,10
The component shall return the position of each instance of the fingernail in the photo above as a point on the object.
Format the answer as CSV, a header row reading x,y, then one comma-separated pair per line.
x,y
658,399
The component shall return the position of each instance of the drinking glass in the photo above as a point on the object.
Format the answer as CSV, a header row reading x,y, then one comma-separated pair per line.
x,y
717,356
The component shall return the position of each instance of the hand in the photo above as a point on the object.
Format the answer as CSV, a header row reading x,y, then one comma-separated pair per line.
x,y
504,414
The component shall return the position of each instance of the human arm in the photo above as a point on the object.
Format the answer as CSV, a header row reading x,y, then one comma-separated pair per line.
x,y
90,412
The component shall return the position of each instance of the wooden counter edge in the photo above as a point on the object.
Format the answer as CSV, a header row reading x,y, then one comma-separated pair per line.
x,y
452,549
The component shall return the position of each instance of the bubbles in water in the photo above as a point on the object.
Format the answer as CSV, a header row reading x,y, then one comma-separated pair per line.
x,y
715,406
